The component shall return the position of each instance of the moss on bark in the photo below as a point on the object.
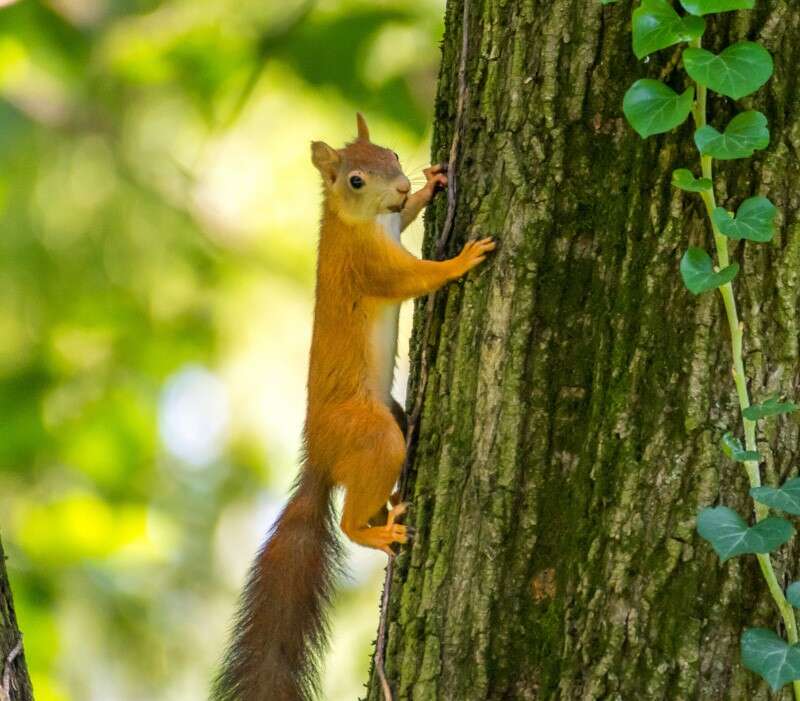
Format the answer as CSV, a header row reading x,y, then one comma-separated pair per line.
x,y
577,392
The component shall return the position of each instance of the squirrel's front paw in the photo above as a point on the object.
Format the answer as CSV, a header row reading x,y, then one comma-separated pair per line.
x,y
474,252
435,178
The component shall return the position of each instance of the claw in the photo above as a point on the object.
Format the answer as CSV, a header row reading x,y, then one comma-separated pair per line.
x,y
399,533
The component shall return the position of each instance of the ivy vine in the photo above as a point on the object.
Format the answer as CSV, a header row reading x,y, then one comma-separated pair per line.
x,y
652,107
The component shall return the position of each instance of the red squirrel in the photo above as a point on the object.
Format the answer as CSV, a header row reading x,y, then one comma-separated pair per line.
x,y
352,438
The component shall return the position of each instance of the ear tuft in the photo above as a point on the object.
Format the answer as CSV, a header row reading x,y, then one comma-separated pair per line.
x,y
363,130
325,159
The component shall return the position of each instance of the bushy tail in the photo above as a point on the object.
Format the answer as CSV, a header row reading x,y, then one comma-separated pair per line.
x,y
281,629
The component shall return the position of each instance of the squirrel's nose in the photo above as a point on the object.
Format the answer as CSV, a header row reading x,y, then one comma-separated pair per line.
x,y
403,186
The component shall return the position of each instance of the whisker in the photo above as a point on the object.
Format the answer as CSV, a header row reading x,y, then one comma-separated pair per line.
x,y
416,169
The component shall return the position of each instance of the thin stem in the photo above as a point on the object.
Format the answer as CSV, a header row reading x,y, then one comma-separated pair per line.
x,y
739,377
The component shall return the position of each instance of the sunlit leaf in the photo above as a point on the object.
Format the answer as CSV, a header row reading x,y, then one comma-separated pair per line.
x,y
771,657
656,26
738,71
697,270
80,526
730,536
654,108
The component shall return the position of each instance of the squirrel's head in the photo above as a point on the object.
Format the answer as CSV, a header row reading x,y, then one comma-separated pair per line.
x,y
361,180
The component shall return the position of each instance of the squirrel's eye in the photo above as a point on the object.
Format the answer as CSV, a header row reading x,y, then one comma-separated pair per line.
x,y
356,182
395,155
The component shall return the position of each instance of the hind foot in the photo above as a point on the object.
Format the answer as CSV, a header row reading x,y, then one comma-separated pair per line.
x,y
381,537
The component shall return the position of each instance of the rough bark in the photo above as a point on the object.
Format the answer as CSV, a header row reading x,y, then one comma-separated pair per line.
x,y
576,392
19,686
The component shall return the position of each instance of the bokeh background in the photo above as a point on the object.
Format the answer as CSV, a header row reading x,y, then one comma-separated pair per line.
x,y
157,236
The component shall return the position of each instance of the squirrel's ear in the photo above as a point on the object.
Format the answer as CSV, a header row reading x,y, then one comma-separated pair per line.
x,y
363,131
326,160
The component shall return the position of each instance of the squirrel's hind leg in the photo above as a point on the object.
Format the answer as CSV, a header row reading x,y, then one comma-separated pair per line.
x,y
371,455
373,474
365,503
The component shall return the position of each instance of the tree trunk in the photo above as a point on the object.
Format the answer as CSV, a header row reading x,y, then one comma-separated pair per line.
x,y
576,393
19,684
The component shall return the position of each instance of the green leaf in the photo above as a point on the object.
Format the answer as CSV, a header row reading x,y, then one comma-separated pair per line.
x,y
739,70
706,7
653,108
771,657
732,447
769,407
784,498
608,2
753,221
793,594
683,179
729,535
698,273
746,132
656,26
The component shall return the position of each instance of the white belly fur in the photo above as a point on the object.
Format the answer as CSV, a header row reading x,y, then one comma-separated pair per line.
x,y
385,332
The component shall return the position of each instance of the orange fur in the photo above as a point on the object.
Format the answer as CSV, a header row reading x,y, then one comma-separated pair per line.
x,y
352,438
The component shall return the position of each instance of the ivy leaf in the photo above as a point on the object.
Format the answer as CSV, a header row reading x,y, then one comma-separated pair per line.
x,y
683,179
656,26
729,535
698,272
769,407
739,70
746,132
753,221
732,447
653,108
706,7
784,498
793,594
771,657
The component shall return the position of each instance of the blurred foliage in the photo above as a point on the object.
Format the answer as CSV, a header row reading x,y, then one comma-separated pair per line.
x,y
157,219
